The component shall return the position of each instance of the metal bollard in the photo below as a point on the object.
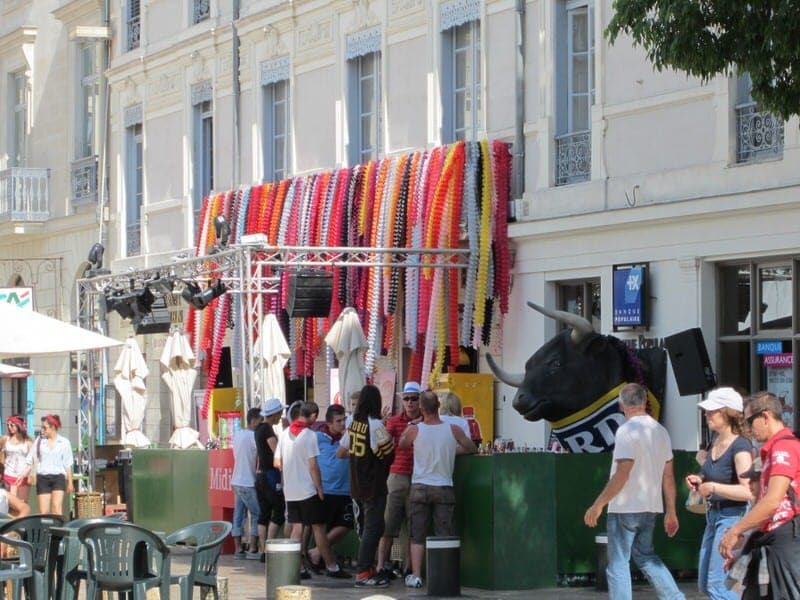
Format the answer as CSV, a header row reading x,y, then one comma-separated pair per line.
x,y
443,557
282,565
601,548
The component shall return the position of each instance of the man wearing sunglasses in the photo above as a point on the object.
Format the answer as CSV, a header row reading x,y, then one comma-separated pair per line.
x,y
776,516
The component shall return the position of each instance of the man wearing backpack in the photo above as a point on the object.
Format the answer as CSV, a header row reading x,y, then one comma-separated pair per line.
x,y
776,515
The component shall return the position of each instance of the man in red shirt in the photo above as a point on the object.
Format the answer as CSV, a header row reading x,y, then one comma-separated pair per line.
x,y
777,512
399,481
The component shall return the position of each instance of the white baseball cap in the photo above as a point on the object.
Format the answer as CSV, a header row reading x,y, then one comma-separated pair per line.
x,y
270,407
724,397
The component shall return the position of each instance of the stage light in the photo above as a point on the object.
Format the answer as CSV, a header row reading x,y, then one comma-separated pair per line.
x,y
200,298
95,257
132,305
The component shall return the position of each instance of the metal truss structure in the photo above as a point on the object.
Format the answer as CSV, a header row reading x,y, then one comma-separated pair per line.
x,y
250,272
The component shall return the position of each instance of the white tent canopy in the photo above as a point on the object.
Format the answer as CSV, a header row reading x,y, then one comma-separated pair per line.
x,y
27,332
13,372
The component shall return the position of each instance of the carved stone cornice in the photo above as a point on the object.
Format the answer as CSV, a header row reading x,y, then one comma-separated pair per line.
x,y
79,12
16,39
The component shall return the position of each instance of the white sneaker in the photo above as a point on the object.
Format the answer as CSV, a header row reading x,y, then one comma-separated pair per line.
x,y
253,555
413,582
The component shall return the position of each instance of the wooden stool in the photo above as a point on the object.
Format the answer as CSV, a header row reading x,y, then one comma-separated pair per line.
x,y
293,592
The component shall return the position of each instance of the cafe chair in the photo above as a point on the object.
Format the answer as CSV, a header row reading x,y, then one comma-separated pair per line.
x,y
205,540
35,529
123,557
18,571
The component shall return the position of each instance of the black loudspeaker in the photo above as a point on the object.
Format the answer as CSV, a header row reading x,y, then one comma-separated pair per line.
x,y
690,364
225,373
310,292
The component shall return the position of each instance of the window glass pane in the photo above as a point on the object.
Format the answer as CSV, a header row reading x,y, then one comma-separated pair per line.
x,y
280,88
580,73
368,64
280,118
460,70
735,365
572,298
460,102
366,133
463,36
580,113
580,30
776,297
280,144
367,96
735,300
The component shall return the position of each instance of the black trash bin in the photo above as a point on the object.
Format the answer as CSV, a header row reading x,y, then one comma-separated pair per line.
x,y
125,466
601,546
444,566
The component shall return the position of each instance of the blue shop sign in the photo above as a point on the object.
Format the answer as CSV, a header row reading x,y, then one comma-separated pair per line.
x,y
769,347
629,286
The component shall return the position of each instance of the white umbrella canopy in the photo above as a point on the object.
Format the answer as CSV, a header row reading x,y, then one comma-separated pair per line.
x,y
346,339
27,332
130,371
273,352
180,375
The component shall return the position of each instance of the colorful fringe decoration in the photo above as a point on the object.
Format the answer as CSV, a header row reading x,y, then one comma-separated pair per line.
x,y
449,197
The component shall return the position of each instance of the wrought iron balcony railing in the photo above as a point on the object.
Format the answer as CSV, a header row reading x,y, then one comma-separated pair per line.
x,y
133,32
759,135
133,233
201,10
24,194
573,157
84,181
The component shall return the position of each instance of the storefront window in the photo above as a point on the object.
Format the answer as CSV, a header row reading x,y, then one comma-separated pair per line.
x,y
581,298
775,285
758,353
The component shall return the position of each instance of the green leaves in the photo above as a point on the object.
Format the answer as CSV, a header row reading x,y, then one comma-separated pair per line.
x,y
706,38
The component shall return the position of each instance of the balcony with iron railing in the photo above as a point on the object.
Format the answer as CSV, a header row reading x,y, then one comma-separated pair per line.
x,y
759,135
134,32
84,181
573,157
24,195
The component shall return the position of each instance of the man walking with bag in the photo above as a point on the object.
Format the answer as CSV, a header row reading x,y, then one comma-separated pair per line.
x,y
776,515
641,469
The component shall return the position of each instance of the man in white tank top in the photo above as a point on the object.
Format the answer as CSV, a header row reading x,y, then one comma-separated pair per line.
x,y
435,446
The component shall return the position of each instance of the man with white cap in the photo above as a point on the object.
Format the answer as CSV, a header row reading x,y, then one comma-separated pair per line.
x,y
271,503
399,481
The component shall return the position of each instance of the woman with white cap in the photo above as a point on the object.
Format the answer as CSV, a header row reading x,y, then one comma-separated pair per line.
x,y
721,483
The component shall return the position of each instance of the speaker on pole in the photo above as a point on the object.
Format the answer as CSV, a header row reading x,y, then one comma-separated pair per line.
x,y
310,292
690,363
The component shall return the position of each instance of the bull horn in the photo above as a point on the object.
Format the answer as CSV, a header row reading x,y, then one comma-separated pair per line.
x,y
507,378
580,326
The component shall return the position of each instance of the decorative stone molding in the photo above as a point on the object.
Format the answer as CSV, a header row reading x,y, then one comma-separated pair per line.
x,y
364,16
315,34
225,64
161,86
458,12
275,46
404,7
363,42
274,70
133,115
198,68
201,92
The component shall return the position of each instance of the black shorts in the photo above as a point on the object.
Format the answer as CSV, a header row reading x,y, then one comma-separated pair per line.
x,y
310,511
338,511
46,484
271,504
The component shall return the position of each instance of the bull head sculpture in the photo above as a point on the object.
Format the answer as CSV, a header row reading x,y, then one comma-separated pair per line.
x,y
574,369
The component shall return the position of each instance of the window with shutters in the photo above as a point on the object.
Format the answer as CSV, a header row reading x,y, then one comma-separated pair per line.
x,y
134,24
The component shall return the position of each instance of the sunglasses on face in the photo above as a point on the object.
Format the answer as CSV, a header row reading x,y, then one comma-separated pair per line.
x,y
411,399
753,417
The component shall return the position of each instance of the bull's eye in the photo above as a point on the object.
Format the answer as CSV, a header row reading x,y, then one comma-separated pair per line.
x,y
555,364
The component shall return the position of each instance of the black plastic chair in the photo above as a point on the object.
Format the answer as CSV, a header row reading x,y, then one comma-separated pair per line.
x,y
123,557
205,539
20,570
35,529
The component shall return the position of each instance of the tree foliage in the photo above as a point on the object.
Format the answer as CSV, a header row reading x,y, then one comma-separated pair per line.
x,y
706,38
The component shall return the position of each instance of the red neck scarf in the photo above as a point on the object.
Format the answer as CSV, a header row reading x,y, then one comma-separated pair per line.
x,y
297,426
325,428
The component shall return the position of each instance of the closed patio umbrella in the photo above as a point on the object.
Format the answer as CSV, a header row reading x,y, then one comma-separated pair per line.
x,y
130,371
271,351
180,375
346,339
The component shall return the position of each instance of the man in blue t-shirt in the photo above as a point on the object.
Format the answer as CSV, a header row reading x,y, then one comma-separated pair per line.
x,y
335,471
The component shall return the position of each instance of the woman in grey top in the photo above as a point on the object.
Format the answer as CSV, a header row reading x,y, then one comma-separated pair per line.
x,y
54,473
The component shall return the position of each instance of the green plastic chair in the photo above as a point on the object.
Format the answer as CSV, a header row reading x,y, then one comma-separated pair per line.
x,y
124,557
205,539
35,529
18,571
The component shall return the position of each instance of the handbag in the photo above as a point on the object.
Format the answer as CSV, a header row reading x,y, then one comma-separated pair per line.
x,y
696,503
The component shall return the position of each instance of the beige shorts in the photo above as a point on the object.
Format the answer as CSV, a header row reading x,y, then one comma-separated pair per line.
x,y
397,506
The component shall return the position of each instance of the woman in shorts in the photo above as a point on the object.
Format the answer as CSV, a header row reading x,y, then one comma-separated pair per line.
x,y
54,474
16,445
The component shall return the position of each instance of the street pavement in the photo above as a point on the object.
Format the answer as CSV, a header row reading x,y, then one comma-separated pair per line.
x,y
247,581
